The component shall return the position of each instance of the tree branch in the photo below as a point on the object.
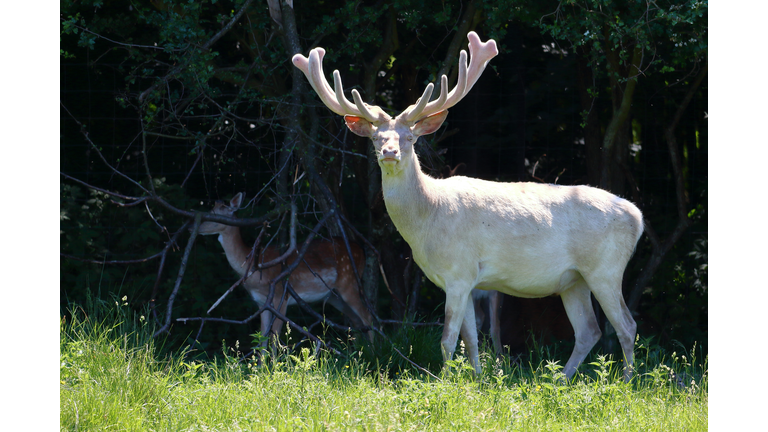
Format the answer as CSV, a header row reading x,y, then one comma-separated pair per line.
x,y
233,221
98,152
248,269
182,269
161,267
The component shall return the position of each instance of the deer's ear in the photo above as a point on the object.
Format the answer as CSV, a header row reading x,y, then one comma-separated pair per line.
x,y
236,200
359,126
429,124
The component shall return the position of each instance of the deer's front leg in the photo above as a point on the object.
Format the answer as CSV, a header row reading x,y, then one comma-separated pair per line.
x,y
457,311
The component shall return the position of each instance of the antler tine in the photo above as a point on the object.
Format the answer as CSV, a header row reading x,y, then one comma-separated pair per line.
x,y
412,112
316,67
338,88
481,53
367,113
313,70
334,97
359,109
461,89
444,101
443,92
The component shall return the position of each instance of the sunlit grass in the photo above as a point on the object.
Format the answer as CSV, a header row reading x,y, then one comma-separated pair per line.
x,y
112,379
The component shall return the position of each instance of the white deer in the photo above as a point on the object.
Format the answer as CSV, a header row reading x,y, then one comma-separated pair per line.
x,y
522,239
325,273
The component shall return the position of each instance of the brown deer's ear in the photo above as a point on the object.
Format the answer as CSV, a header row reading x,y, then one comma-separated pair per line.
x,y
430,124
236,201
359,126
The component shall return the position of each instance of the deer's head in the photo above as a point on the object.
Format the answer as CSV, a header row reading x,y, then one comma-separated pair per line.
x,y
223,209
393,138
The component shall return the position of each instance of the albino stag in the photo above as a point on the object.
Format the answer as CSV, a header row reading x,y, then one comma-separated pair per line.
x,y
522,239
325,273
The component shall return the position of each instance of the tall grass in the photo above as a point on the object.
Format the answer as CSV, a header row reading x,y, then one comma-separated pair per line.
x,y
112,378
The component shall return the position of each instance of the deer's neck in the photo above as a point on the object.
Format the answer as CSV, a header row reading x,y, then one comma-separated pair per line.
x,y
409,198
236,250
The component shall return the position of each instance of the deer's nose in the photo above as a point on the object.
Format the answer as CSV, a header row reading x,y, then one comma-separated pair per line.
x,y
389,152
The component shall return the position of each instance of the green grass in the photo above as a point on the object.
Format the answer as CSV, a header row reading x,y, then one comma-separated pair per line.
x,y
112,378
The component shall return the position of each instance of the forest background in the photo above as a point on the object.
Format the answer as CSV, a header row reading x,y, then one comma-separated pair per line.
x,y
168,106
500,124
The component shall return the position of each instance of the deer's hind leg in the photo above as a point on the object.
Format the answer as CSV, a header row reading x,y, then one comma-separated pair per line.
x,y
608,294
494,309
578,307
469,335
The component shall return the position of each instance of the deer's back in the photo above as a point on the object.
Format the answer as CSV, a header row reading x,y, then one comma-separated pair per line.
x,y
324,266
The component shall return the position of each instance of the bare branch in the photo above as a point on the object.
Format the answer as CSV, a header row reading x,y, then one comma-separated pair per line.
x,y
373,249
291,247
277,314
199,156
421,369
240,222
161,267
182,269
98,152
412,324
91,261
154,47
248,269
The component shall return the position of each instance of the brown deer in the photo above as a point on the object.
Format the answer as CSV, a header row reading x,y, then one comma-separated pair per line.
x,y
325,273
522,239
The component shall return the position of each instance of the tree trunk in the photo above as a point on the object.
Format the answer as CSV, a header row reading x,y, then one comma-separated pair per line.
x,y
468,22
617,130
372,173
592,142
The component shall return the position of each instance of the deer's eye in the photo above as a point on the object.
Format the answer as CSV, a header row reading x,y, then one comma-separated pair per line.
x,y
409,137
